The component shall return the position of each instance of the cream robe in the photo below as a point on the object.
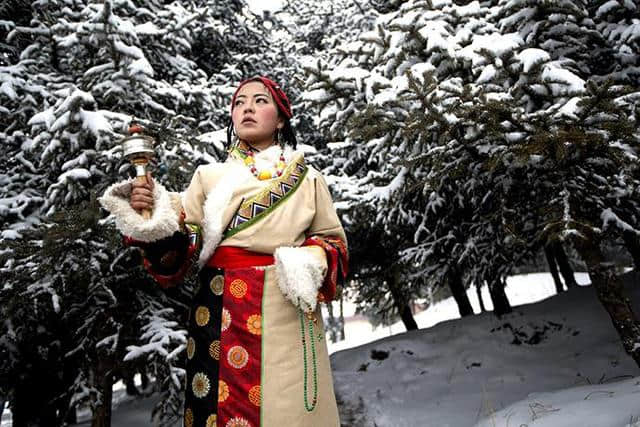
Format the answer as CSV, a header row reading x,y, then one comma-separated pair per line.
x,y
308,211
214,195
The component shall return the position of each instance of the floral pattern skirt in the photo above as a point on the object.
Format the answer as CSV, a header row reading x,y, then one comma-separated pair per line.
x,y
253,359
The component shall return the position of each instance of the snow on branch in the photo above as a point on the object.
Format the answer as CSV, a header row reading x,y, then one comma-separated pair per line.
x,y
161,334
609,218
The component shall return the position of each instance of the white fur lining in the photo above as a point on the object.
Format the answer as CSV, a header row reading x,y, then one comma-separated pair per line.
x,y
163,221
300,275
268,157
216,203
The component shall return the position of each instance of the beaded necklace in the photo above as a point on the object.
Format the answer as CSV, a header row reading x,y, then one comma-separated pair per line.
x,y
314,361
265,173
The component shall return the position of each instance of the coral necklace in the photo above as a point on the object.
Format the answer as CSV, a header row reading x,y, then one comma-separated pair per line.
x,y
265,173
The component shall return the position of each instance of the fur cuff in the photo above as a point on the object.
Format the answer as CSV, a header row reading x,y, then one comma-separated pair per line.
x,y
300,275
164,219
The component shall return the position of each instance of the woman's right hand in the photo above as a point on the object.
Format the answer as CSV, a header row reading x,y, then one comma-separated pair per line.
x,y
142,193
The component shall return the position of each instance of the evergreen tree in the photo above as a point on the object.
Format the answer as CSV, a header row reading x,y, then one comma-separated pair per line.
x,y
305,31
364,99
73,77
487,129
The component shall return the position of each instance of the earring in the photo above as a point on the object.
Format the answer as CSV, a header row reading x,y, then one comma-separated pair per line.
x,y
234,138
278,139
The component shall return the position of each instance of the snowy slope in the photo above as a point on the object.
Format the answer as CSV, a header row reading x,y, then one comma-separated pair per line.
x,y
599,405
459,372
521,289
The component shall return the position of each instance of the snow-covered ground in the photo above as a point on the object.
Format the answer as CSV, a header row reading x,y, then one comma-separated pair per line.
x,y
553,362
521,289
557,362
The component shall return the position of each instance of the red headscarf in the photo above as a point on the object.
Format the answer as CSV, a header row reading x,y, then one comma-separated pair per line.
x,y
277,94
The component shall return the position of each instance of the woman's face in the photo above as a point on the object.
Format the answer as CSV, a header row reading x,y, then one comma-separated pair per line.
x,y
255,115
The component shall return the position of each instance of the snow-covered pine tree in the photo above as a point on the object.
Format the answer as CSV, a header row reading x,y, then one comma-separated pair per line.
x,y
365,100
558,168
391,291
544,149
73,77
71,327
470,104
618,22
585,174
308,30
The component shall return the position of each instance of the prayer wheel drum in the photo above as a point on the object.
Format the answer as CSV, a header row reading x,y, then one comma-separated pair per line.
x,y
138,149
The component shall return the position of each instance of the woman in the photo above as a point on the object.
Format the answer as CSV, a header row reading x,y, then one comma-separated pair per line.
x,y
263,230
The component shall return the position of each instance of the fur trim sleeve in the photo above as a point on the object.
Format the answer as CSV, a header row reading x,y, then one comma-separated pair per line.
x,y
164,220
300,272
213,224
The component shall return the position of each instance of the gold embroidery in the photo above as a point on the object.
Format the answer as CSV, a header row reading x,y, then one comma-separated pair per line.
x,y
202,316
226,319
238,357
254,395
223,391
217,285
200,385
191,348
214,350
238,422
238,288
254,324
188,418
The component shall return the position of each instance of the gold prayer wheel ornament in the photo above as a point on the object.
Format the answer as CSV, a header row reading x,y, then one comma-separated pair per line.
x,y
138,149
311,316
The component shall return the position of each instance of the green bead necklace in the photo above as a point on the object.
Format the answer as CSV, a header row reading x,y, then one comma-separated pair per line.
x,y
307,406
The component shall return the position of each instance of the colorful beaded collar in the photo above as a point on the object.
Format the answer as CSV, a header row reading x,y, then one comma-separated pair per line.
x,y
245,152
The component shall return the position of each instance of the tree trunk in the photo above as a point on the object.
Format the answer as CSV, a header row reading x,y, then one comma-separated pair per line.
x,y
102,413
564,266
499,298
609,291
393,281
632,243
459,292
342,335
32,413
144,380
483,308
32,404
71,417
331,323
128,379
553,267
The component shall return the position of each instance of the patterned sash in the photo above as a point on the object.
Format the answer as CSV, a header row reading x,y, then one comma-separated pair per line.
x,y
269,198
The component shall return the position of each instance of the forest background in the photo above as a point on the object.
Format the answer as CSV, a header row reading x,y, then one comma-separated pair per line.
x,y
463,141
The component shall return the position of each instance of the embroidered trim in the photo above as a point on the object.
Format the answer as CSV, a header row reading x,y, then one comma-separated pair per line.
x,y
238,153
337,263
263,203
195,244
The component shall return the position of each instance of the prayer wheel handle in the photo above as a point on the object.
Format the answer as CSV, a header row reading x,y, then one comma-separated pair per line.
x,y
138,149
